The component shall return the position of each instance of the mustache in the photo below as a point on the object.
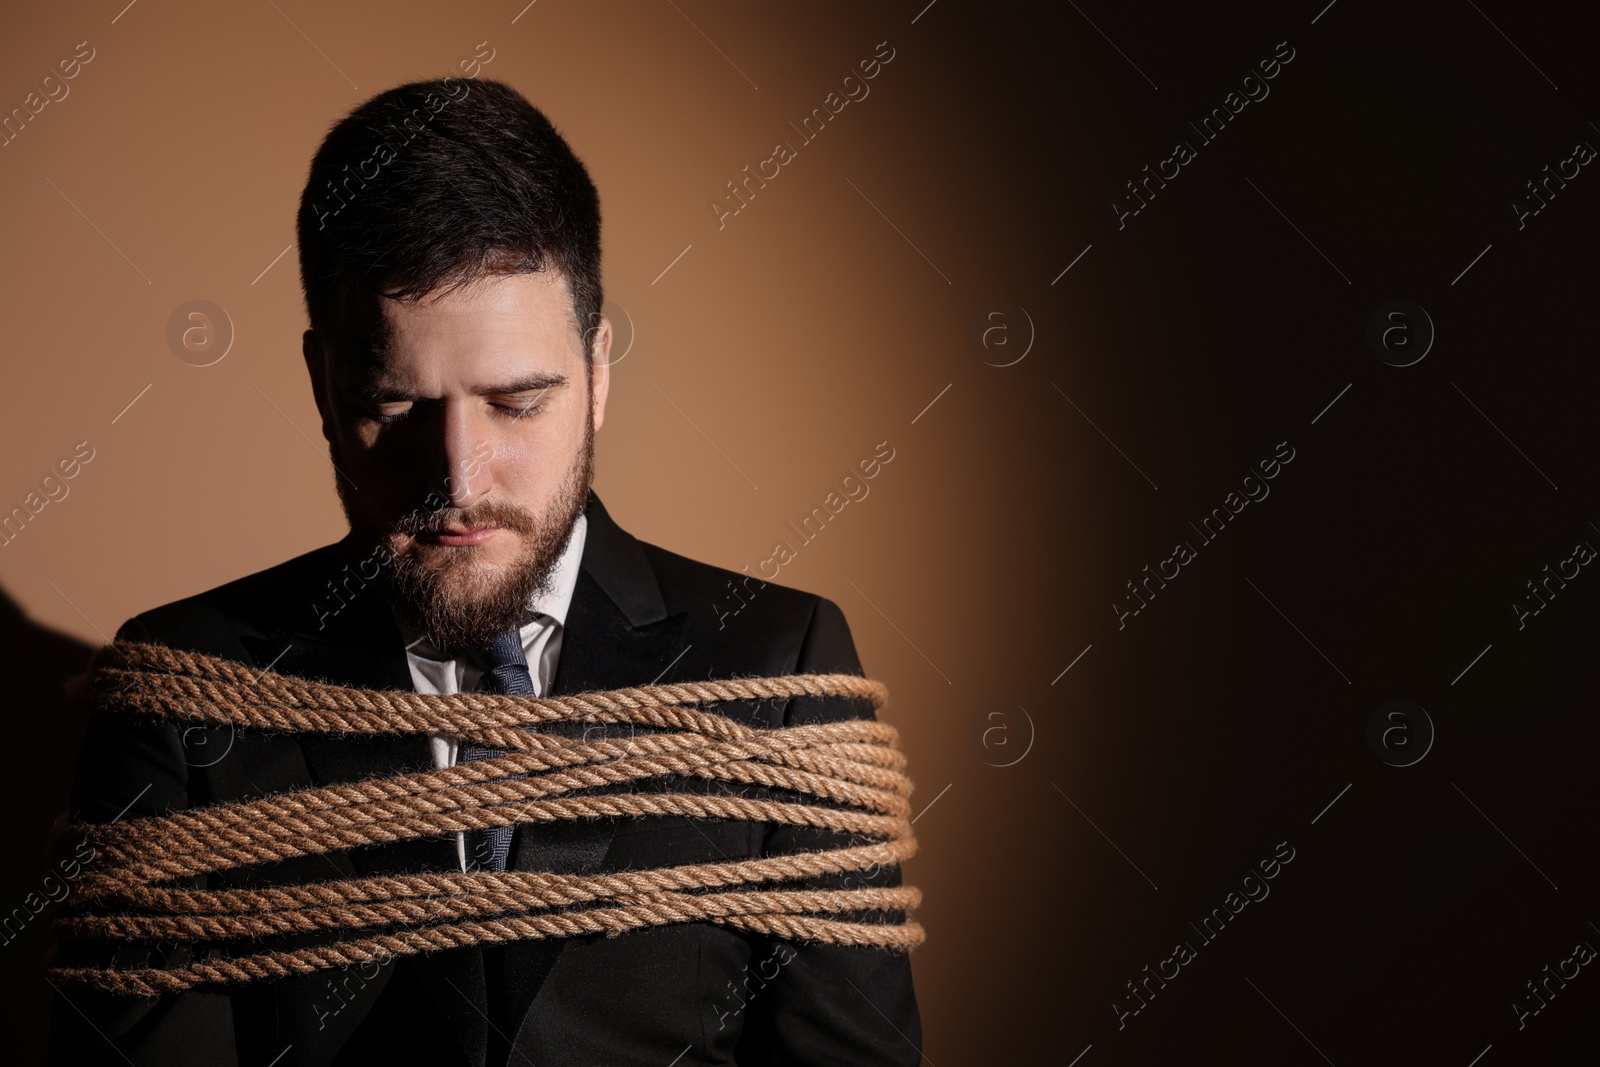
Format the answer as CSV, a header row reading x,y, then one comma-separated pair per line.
x,y
483,513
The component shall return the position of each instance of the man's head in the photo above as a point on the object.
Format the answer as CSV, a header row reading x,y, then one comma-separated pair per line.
x,y
450,254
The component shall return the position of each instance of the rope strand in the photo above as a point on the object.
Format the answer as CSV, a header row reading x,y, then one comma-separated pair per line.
x,y
846,777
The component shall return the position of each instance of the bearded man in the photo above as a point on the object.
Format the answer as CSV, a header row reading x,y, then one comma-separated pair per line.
x,y
449,245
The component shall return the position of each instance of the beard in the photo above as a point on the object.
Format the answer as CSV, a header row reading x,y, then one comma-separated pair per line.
x,y
457,602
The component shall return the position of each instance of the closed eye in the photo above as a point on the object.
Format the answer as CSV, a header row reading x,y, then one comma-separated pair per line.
x,y
519,400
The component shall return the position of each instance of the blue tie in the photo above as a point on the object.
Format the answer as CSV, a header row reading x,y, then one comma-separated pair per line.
x,y
505,670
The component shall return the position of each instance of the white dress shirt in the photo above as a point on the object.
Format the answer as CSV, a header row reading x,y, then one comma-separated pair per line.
x,y
433,672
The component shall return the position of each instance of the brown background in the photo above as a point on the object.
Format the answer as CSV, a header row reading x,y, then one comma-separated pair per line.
x,y
824,319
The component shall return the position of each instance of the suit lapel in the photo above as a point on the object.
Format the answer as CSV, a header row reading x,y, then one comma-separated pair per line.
x,y
617,633
361,647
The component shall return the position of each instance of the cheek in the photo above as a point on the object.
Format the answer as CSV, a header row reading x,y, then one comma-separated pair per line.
x,y
529,467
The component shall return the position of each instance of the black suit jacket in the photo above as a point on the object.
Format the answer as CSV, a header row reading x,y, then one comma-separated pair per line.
x,y
695,991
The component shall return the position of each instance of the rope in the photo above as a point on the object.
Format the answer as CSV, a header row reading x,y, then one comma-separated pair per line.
x,y
847,777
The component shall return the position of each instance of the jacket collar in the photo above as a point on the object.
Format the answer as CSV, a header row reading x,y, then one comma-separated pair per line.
x,y
616,561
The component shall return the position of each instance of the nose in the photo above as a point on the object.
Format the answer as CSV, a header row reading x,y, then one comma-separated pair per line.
x,y
466,452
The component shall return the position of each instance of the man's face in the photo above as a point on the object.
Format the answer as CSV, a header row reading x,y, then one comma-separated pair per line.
x,y
464,443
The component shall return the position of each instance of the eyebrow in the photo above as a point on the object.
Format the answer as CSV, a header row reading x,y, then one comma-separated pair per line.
x,y
536,382
539,381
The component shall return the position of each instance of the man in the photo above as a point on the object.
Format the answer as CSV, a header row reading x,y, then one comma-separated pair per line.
x,y
449,247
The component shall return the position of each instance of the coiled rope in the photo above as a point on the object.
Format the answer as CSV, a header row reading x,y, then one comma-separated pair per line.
x,y
850,768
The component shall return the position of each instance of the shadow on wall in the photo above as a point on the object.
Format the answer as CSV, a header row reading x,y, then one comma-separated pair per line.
x,y
44,730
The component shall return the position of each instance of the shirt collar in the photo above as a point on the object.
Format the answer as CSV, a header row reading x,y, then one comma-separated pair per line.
x,y
550,607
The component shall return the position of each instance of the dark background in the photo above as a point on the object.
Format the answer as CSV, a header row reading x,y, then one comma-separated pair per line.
x,y
1231,314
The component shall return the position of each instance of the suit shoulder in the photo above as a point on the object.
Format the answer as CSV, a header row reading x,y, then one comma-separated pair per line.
x,y
806,629
213,621
687,583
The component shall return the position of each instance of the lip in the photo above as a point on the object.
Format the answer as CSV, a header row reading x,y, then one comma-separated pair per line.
x,y
459,536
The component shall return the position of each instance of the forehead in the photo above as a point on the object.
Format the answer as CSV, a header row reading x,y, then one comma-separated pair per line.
x,y
498,321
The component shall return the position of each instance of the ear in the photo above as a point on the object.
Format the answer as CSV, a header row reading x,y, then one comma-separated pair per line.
x,y
600,373
317,367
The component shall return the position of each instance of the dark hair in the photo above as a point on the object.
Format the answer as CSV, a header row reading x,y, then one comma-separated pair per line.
x,y
431,185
